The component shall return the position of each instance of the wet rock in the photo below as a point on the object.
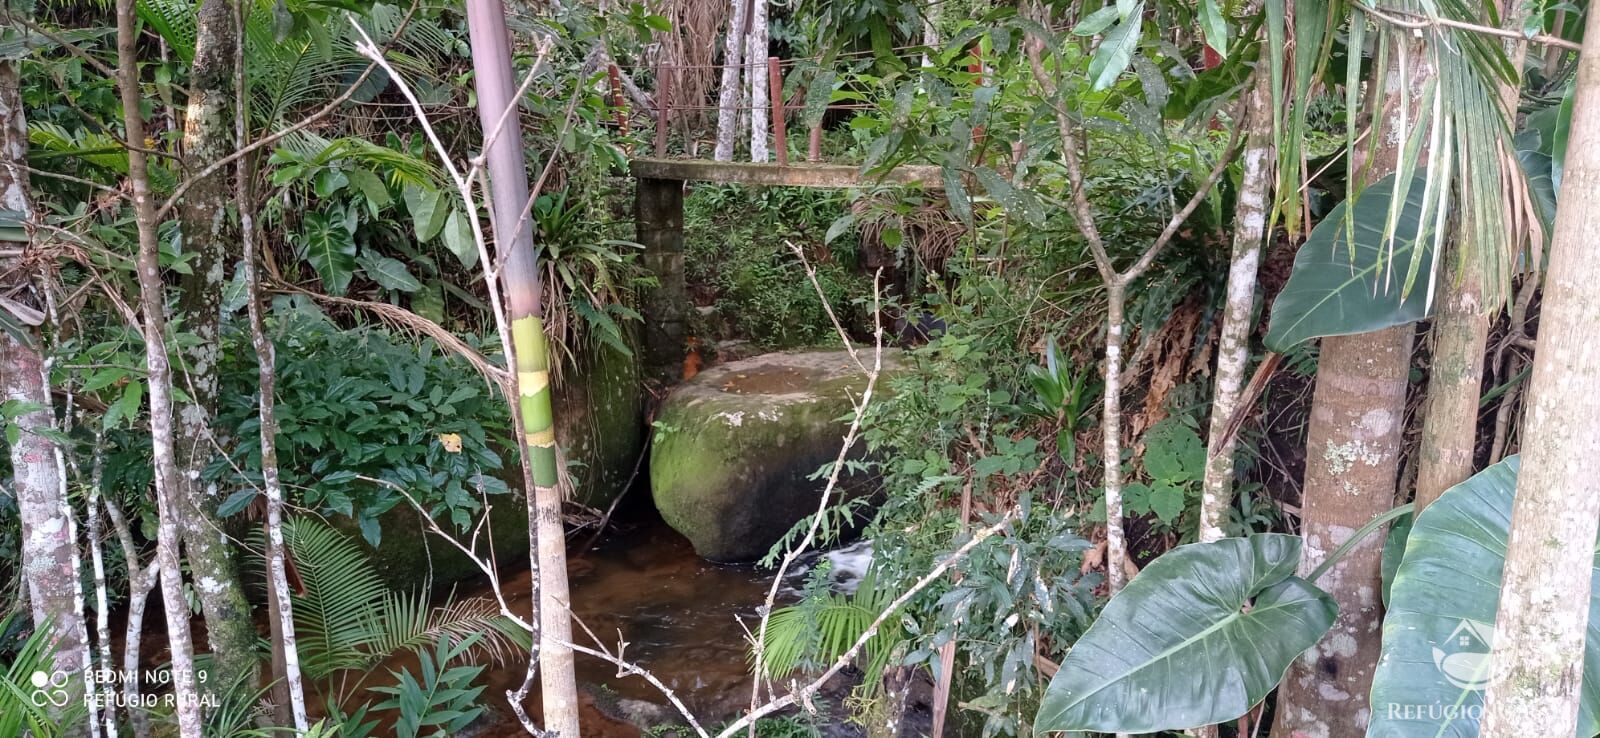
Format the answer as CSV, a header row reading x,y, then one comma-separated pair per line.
x,y
736,447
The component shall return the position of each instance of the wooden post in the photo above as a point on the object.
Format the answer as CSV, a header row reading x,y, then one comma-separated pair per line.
x,y
619,102
780,140
663,108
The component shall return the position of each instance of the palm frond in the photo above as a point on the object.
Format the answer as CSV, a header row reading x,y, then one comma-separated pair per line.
x,y
821,628
335,616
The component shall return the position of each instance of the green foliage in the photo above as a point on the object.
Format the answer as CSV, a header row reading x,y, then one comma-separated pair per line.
x,y
356,405
29,658
824,625
1442,610
739,260
442,701
1198,638
348,621
1174,460
1350,276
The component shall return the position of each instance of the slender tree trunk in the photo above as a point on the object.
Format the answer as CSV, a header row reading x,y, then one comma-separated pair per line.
x,y
728,96
141,579
1539,640
49,539
1460,338
1238,312
208,233
755,71
285,652
1111,429
1450,423
159,381
1352,465
102,600
509,191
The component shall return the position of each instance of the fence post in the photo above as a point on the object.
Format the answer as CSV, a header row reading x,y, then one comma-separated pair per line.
x,y
780,139
619,102
663,108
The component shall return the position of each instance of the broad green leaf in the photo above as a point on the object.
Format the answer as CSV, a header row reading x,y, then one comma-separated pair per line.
x,y
839,226
1197,638
1440,622
236,502
331,250
372,189
428,211
458,238
1540,171
1166,501
1558,138
329,181
1213,26
389,273
956,192
1173,452
1116,49
1343,285
1394,549
1097,22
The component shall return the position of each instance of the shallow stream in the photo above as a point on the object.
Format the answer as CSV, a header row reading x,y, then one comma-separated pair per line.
x,y
679,615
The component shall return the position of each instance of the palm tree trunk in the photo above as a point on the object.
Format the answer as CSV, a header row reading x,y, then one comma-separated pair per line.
x,y
1238,313
1544,606
514,243
159,380
1352,464
1460,338
49,538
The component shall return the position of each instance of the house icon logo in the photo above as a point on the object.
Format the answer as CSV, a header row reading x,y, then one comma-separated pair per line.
x,y
1463,657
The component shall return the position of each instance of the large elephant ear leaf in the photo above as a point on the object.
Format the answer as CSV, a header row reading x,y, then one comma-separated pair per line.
x,y
1199,637
1440,623
1350,274
331,249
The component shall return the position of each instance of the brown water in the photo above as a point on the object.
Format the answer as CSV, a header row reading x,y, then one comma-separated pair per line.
x,y
678,613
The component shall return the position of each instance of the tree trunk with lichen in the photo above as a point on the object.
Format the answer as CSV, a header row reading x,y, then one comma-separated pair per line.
x,y
1238,312
158,379
1352,467
49,537
1537,656
755,72
1460,338
514,243
728,96
208,234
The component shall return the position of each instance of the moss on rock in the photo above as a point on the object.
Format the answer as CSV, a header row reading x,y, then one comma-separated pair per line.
x,y
736,447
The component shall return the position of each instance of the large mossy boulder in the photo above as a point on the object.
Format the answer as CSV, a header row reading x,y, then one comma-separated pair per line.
x,y
736,448
599,412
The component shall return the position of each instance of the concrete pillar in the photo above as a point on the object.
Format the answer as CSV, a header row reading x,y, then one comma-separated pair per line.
x,y
658,211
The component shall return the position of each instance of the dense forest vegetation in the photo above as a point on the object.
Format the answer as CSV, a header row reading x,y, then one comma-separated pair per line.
x,y
820,368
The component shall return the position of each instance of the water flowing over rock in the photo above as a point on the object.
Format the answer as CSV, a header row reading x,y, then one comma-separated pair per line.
x,y
736,451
